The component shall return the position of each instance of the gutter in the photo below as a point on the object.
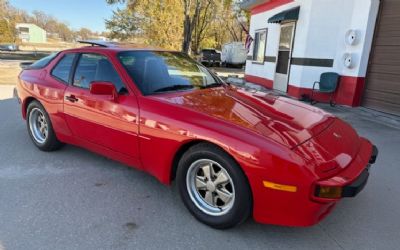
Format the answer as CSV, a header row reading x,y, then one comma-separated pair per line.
x,y
250,4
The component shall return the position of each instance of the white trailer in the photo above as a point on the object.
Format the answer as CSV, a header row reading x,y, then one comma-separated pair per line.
x,y
234,54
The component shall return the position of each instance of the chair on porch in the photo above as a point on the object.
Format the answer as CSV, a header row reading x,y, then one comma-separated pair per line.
x,y
327,84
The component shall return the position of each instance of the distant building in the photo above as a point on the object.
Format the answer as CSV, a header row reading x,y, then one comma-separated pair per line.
x,y
31,33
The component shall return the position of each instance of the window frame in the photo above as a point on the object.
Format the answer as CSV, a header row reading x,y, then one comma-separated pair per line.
x,y
72,68
76,63
256,44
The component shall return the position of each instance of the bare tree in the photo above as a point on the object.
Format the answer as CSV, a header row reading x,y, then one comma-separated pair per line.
x,y
191,12
204,19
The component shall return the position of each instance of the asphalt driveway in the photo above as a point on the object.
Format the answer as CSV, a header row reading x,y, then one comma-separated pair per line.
x,y
74,199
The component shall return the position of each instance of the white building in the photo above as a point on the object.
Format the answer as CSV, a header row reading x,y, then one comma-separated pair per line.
x,y
297,40
31,33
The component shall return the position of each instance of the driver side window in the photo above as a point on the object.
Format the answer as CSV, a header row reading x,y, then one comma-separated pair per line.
x,y
95,67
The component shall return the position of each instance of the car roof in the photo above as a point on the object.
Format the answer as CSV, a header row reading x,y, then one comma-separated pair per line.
x,y
115,46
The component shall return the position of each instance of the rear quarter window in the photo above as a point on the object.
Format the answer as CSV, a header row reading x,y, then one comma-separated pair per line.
x,y
63,68
43,62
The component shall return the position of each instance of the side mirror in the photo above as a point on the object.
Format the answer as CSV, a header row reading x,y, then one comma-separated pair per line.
x,y
103,88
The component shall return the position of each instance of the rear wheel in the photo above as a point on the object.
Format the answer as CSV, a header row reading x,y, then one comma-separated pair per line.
x,y
213,187
40,128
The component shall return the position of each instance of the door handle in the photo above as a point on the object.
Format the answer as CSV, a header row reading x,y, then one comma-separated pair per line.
x,y
71,98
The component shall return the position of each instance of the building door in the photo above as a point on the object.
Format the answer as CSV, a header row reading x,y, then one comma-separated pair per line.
x,y
382,91
284,57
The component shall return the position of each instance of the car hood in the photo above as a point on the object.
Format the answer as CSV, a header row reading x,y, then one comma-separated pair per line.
x,y
278,118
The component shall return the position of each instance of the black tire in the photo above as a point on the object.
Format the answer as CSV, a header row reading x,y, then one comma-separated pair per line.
x,y
241,206
50,143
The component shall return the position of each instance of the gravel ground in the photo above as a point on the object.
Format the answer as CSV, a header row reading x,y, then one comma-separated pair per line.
x,y
74,199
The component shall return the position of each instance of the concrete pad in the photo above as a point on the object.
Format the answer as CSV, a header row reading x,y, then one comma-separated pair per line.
x,y
6,91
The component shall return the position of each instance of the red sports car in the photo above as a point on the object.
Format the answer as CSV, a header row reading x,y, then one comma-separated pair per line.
x,y
233,153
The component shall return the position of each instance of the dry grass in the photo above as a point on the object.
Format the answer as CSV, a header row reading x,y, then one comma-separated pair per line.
x,y
9,71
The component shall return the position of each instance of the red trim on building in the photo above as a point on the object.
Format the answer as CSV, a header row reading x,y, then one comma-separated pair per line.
x,y
349,92
269,6
298,92
260,81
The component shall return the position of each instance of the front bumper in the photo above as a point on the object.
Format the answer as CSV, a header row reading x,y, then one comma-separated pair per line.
x,y
303,208
358,185
355,187
374,155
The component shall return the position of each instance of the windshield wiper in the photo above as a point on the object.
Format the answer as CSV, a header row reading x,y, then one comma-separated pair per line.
x,y
173,87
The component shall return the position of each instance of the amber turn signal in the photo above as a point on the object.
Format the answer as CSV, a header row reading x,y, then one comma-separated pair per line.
x,y
328,192
280,187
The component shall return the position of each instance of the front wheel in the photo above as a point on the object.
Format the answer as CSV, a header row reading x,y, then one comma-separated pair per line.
x,y
40,128
213,187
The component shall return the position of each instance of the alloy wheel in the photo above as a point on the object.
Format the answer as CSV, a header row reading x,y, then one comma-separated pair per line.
x,y
38,125
210,187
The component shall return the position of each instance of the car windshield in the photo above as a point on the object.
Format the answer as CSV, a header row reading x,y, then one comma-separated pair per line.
x,y
162,71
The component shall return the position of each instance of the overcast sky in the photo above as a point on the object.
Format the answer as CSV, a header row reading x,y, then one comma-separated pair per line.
x,y
77,13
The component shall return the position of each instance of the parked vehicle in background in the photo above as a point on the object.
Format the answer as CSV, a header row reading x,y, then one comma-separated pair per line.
x,y
234,54
210,57
8,47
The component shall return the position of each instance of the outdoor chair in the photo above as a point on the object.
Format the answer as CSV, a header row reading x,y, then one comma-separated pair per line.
x,y
327,84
